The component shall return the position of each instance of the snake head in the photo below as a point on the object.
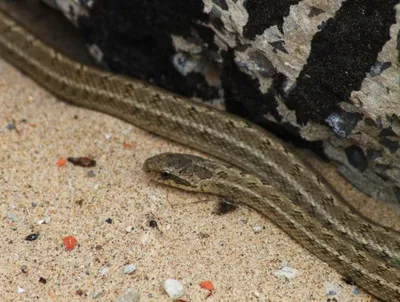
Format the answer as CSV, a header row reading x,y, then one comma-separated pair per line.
x,y
183,171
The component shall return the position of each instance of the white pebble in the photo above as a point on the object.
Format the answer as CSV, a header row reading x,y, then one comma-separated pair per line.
x,y
287,272
173,288
129,228
129,268
103,270
257,229
45,220
256,294
107,136
20,290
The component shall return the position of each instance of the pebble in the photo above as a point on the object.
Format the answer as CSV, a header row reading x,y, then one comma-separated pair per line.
x,y
257,229
10,126
104,270
173,288
90,174
20,290
129,268
12,217
24,269
70,242
130,295
107,136
45,220
287,272
32,237
129,228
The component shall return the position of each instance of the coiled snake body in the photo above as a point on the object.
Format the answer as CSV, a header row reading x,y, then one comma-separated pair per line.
x,y
278,183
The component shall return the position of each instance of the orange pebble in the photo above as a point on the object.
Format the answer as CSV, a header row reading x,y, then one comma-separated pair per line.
x,y
127,145
207,285
70,243
61,162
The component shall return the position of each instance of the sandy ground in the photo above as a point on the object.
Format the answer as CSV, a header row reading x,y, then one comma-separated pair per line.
x,y
108,209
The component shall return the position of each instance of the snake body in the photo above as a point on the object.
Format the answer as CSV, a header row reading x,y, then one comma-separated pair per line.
x,y
277,183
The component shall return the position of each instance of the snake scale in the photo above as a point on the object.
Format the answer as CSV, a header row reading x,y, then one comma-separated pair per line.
x,y
267,176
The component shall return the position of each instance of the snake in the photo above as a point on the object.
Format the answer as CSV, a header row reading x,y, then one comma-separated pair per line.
x,y
255,168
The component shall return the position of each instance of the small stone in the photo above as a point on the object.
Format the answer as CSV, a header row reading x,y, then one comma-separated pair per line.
x,y
207,284
70,242
20,290
12,217
129,228
225,206
130,295
42,280
90,174
24,269
45,220
104,270
107,136
10,126
173,288
82,161
287,272
109,220
129,268
257,229
32,237
153,224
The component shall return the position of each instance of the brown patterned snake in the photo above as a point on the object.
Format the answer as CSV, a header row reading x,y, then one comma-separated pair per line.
x,y
279,185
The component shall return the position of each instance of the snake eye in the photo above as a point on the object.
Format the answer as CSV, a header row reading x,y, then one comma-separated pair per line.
x,y
165,174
